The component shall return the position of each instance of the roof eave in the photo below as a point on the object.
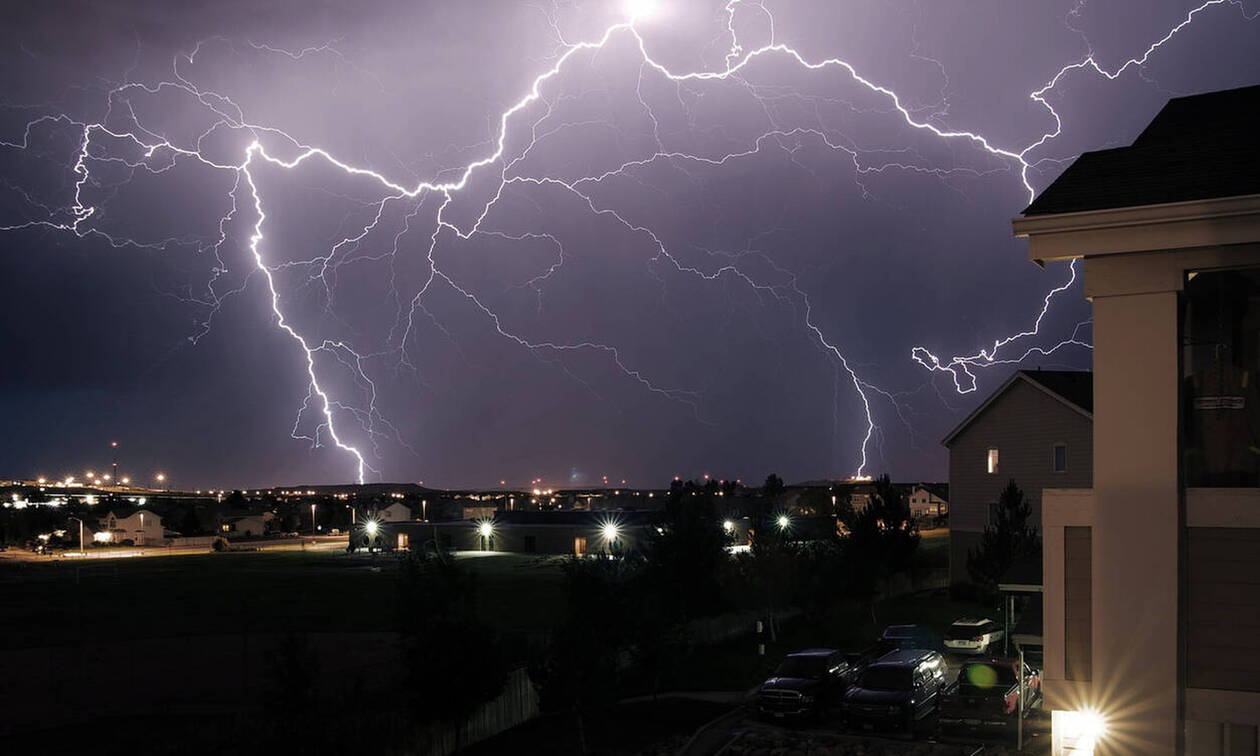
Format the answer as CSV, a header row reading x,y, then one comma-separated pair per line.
x,y
1141,228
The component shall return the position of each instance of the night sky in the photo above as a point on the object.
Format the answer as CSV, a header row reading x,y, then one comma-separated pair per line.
x,y
662,274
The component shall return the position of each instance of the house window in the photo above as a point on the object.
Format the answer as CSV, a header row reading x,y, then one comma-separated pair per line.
x,y
991,462
1059,458
1220,338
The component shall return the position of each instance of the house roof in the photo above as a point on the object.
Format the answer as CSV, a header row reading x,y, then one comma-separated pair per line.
x,y
1073,388
939,490
1197,148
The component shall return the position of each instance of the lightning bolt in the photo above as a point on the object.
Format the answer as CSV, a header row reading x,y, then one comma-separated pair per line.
x,y
120,140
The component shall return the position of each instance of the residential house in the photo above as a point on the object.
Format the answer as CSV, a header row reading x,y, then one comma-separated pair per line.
x,y
1035,429
140,526
928,500
397,511
1152,575
246,526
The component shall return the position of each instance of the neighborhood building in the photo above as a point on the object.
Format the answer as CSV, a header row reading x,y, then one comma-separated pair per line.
x,y
1151,596
1035,429
396,512
139,526
928,500
247,526
575,532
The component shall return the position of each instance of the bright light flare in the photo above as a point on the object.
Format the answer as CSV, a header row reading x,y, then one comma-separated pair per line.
x,y
642,10
610,531
728,526
371,526
784,521
486,529
1080,730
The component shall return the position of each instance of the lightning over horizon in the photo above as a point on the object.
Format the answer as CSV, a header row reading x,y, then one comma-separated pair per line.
x,y
398,247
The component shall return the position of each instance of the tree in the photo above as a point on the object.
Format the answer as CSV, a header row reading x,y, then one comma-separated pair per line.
x,y
454,662
882,540
581,668
190,525
1006,539
686,556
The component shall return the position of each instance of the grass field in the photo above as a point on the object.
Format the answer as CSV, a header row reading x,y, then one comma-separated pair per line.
x,y
63,602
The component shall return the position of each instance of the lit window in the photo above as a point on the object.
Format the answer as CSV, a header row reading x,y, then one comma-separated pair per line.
x,y
1060,458
991,464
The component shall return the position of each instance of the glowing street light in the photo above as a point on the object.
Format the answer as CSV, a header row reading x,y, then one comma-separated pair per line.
x,y
161,479
1080,730
728,526
486,529
371,527
610,531
784,521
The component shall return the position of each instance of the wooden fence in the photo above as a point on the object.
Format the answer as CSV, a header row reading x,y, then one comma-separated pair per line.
x,y
516,704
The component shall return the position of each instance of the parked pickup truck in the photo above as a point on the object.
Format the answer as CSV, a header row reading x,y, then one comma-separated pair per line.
x,y
805,685
985,697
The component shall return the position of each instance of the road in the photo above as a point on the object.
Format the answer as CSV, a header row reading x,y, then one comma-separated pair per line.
x,y
304,543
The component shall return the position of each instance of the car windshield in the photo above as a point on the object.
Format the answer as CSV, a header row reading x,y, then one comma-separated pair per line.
x,y
886,678
981,676
810,667
964,632
901,631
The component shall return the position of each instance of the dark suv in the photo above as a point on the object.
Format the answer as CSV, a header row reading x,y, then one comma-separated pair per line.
x,y
805,684
897,691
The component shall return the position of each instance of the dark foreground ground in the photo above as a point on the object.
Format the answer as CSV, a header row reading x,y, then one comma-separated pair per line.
x,y
287,652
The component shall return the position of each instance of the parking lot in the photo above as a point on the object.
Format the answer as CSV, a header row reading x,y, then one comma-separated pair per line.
x,y
748,730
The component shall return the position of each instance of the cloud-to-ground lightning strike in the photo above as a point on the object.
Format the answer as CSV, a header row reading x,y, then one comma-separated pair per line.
x,y
271,146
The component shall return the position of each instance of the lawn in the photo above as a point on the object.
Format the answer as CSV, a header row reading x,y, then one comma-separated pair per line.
x,y
64,602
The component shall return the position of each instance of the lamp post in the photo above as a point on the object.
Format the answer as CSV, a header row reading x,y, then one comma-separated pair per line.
x,y
80,521
114,446
312,519
161,479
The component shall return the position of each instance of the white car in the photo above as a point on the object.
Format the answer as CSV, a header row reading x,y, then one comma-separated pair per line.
x,y
973,636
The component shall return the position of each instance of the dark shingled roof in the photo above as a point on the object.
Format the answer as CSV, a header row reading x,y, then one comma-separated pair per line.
x,y
1200,147
1076,386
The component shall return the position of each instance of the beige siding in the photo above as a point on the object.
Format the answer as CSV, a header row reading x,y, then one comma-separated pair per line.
x,y
1224,605
1023,424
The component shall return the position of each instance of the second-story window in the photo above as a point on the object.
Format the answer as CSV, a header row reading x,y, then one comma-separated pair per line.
x,y
1059,458
991,462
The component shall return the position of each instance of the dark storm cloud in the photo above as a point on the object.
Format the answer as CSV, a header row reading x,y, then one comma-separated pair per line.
x,y
173,347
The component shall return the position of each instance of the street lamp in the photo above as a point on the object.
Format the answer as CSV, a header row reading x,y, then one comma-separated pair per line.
x,y
80,521
161,479
312,519
783,522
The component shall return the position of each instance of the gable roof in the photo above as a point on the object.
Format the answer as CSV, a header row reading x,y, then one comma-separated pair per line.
x,y
1197,148
1073,388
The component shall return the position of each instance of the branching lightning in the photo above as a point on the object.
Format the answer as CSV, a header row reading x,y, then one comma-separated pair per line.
x,y
122,140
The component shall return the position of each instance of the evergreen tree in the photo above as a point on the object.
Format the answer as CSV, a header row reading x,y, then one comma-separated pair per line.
x,y
1008,538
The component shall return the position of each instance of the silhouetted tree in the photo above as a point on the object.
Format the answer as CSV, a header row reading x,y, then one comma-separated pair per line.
x,y
454,662
190,525
581,668
1007,538
881,541
685,559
